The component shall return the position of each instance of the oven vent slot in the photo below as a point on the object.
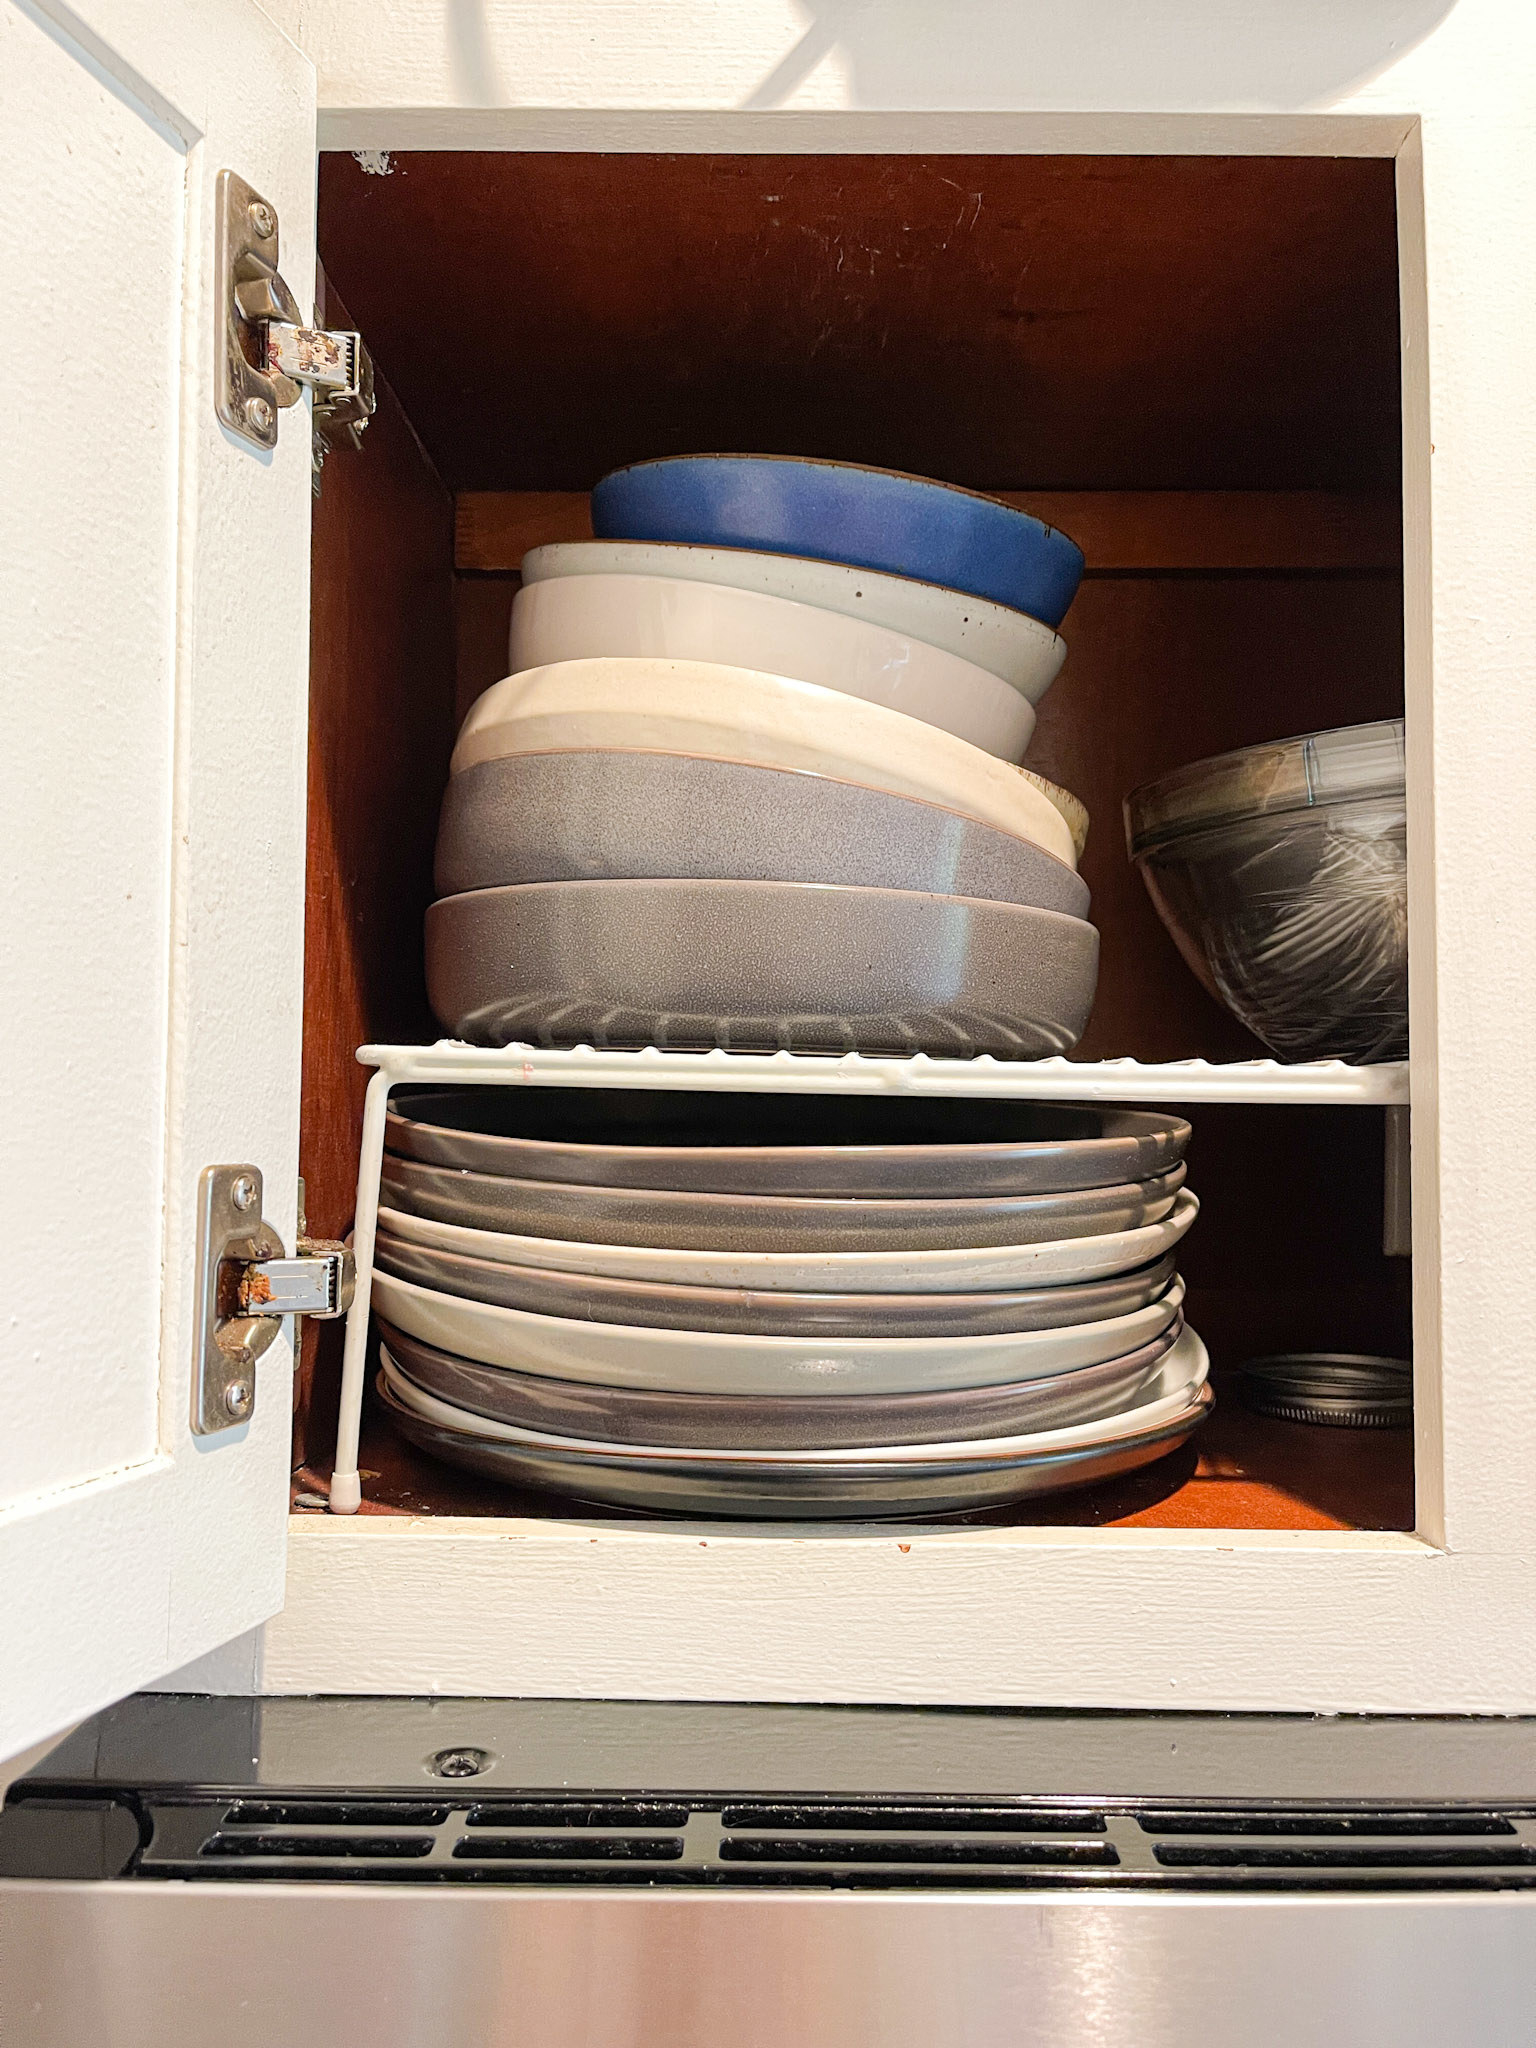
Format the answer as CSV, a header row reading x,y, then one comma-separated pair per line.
x,y
1377,1847
1329,1856
927,1820
883,1841
821,1849
1286,1821
319,1847
340,1813
573,1848
613,1813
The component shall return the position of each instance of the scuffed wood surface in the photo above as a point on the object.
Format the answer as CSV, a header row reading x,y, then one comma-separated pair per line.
x,y
1178,322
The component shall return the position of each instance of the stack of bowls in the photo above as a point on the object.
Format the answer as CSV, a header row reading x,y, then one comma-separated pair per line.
x,y
784,1305
753,779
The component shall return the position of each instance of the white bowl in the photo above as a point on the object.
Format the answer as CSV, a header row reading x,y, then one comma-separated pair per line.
x,y
722,1362
1007,644
741,714
962,1270
582,618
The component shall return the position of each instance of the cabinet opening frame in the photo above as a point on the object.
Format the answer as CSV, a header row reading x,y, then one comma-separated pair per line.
x,y
1368,1570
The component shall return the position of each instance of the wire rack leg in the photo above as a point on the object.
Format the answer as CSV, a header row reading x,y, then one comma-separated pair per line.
x,y
346,1487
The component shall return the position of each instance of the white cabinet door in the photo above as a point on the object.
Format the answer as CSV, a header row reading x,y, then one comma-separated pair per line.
x,y
153,655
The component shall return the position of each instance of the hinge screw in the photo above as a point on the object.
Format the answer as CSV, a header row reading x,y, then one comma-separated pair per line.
x,y
459,1763
263,220
243,1193
237,1399
259,412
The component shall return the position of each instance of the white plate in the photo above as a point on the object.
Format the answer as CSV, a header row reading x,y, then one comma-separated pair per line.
x,y
1007,644
991,1268
584,618
714,1362
742,714
1184,1373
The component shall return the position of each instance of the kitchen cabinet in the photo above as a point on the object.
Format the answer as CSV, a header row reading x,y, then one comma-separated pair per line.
x,y
1275,365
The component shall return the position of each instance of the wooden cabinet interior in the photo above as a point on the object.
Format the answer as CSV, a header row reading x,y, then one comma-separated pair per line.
x,y
1062,323
1190,361
381,726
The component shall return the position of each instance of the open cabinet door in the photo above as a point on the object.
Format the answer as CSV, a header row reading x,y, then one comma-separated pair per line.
x,y
153,615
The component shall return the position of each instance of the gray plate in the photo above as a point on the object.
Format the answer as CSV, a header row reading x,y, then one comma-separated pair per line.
x,y
988,1269
848,1491
784,1144
611,815
783,1223
759,966
779,1422
664,1307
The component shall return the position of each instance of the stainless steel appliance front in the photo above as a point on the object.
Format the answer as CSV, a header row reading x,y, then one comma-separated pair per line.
x,y
547,1874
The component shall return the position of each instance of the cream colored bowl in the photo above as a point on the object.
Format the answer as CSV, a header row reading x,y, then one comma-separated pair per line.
x,y
738,714
580,618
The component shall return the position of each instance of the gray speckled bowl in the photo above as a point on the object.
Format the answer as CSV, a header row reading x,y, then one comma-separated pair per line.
x,y
781,1421
610,816
757,966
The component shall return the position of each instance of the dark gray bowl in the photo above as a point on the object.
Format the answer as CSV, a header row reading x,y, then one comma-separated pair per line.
x,y
1298,923
822,1422
610,816
784,1144
758,966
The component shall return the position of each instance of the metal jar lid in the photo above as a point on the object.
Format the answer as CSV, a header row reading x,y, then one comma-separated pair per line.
x,y
1341,1389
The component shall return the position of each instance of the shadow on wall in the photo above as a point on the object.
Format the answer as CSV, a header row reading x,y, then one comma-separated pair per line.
x,y
1246,55
477,79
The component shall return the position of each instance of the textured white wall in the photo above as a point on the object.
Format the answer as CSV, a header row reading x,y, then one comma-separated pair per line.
x,y
1116,55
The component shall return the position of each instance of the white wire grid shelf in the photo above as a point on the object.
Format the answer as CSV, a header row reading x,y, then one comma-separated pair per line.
x,y
1171,1081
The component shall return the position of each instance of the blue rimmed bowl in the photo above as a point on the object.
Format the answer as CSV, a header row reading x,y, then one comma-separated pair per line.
x,y
874,519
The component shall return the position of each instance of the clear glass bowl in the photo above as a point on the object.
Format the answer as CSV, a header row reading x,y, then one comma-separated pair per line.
x,y
1281,873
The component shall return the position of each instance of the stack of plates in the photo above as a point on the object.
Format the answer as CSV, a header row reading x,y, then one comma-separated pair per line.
x,y
752,781
784,1305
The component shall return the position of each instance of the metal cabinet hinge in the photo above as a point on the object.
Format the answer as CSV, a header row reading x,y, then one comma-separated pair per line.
x,y
245,1285
268,354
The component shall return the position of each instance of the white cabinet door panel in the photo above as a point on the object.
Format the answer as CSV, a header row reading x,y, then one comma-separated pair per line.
x,y
153,615
85,778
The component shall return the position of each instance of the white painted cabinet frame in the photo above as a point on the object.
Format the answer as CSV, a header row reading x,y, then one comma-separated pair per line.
x,y
1439,1620
1436,1621
153,609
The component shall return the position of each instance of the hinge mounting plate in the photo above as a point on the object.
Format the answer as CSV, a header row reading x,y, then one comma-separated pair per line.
x,y
267,352
245,1286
